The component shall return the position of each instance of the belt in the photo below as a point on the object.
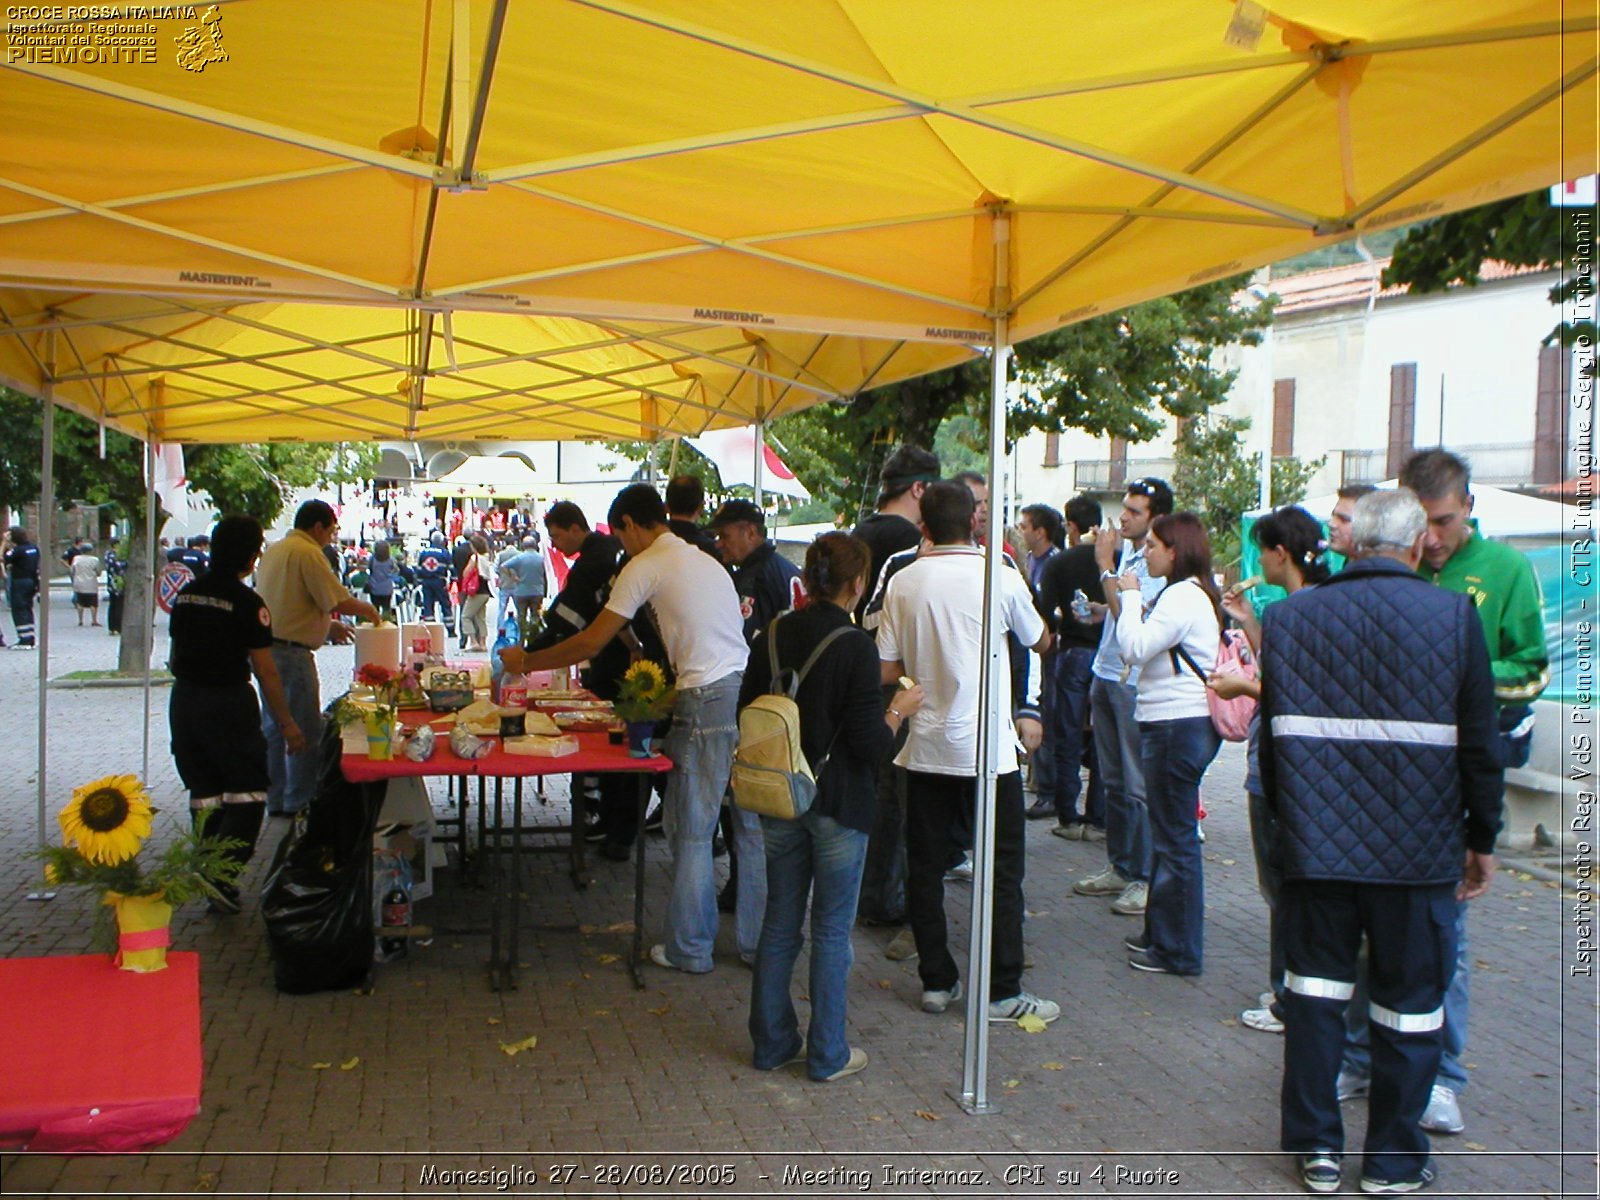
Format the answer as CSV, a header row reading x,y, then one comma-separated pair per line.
x,y
292,645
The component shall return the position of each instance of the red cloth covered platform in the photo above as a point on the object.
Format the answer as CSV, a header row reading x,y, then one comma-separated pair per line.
x,y
97,1058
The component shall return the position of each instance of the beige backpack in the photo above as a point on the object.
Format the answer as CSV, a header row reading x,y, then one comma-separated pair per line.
x,y
770,773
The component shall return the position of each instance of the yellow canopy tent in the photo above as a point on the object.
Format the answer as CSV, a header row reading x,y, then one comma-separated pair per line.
x,y
836,167
949,174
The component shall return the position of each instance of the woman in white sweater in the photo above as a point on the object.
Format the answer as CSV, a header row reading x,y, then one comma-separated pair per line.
x,y
1174,643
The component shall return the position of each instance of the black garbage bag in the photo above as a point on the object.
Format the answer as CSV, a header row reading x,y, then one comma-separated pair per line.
x,y
317,899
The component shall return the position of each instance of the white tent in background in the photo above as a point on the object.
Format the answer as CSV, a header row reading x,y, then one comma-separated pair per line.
x,y
485,476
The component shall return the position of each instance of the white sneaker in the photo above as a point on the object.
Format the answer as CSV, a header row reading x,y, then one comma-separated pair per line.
x,y
1443,1114
1023,1004
1260,1019
937,1001
960,873
1107,883
1133,900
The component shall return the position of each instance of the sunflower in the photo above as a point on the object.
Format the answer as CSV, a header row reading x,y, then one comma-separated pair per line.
x,y
108,819
648,676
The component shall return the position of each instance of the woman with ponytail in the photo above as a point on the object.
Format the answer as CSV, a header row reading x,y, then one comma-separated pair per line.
x,y
844,732
1293,556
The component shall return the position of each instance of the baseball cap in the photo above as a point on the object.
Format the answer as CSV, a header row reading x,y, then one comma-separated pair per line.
x,y
739,510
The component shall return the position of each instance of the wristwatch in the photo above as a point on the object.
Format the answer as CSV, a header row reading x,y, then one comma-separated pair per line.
x,y
1104,575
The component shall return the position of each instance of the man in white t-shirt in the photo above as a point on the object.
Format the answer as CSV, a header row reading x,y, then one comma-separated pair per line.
x,y
932,630
694,606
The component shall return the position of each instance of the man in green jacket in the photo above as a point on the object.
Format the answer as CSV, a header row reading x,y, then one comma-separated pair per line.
x,y
1501,582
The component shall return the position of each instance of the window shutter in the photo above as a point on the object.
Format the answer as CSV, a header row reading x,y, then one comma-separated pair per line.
x,y
1119,464
1282,418
1402,416
1550,421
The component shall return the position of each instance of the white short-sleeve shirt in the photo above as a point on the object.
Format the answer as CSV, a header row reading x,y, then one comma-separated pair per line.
x,y
693,602
933,623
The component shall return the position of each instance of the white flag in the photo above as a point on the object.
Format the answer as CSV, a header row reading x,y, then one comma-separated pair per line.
x,y
172,485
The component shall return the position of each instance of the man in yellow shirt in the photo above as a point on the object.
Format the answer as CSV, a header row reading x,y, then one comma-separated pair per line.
x,y
305,599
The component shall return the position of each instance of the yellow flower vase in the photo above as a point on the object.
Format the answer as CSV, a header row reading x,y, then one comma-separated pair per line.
x,y
144,931
380,735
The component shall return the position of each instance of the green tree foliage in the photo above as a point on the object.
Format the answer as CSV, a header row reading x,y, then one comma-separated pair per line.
x,y
1525,231
258,479
837,449
1216,478
1120,374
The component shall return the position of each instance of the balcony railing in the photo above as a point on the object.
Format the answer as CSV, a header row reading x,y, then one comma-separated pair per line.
x,y
1503,464
1106,475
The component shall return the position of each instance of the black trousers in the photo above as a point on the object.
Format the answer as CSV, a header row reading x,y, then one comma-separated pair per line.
x,y
1411,938
938,809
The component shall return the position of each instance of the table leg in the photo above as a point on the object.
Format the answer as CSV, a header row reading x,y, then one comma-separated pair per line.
x,y
577,851
637,957
515,894
490,846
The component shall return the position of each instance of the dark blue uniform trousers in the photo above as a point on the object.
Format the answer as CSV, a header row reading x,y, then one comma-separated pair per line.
x,y
1411,938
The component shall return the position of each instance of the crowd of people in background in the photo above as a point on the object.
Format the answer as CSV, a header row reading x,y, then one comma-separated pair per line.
x,y
1394,657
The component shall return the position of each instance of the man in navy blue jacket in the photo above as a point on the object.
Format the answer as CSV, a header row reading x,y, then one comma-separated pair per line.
x,y
1379,753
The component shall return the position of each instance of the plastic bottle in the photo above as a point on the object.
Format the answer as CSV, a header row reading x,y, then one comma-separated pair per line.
x,y
1080,606
396,915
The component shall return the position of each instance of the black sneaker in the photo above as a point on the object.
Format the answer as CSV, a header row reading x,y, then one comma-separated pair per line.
x,y
226,902
1041,808
1319,1170
652,821
728,899
615,851
1136,943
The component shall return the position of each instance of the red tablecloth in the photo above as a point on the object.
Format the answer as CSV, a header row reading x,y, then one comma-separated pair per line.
x,y
97,1058
595,754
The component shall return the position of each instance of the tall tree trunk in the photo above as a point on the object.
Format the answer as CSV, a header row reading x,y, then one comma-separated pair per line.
x,y
138,592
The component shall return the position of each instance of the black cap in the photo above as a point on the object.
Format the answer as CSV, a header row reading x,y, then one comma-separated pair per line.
x,y
739,510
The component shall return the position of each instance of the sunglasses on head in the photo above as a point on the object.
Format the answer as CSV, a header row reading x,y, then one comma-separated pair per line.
x,y
1142,487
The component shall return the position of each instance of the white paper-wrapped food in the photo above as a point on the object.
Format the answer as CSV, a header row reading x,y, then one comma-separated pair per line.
x,y
542,747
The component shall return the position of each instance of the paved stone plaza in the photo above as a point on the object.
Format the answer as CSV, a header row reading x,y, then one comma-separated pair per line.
x,y
1147,1085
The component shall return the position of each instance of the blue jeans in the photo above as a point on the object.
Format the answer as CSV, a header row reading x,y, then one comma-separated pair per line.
x,y
294,776
1457,1008
700,745
1069,740
817,856
1116,750
1176,755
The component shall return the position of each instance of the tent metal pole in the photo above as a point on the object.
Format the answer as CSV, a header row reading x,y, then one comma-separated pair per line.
x,y
974,1095
148,616
47,556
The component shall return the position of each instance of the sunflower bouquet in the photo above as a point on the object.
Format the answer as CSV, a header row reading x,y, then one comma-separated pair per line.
x,y
645,694
104,827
